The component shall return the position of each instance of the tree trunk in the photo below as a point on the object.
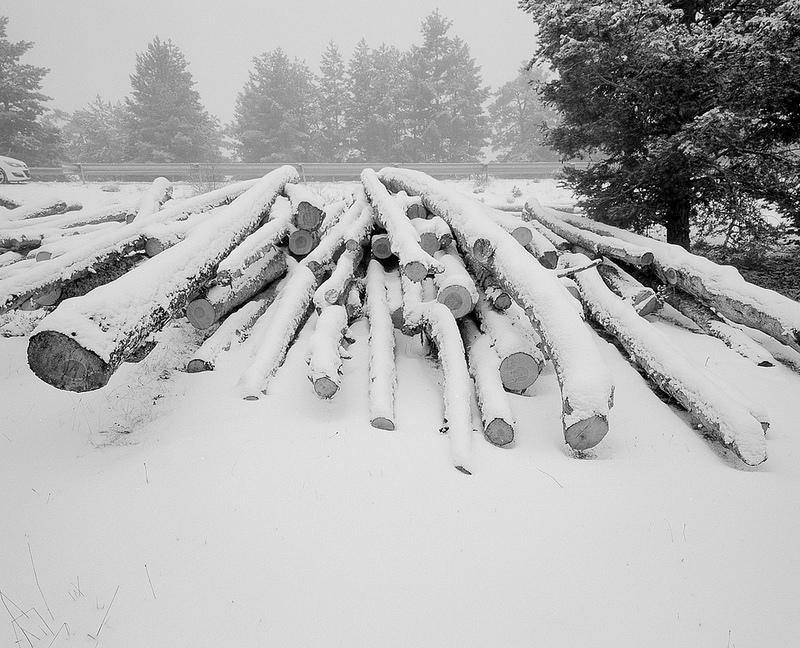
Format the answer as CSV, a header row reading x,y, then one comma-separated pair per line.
x,y
678,223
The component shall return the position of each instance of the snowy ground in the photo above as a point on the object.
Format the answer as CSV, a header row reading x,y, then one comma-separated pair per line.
x,y
167,512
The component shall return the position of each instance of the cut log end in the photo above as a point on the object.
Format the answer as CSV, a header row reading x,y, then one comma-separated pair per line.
x,y
415,271
587,433
519,371
201,313
49,298
381,246
308,216
482,250
43,255
648,306
153,246
457,299
302,241
499,432
429,242
196,366
397,318
61,362
499,300
522,235
382,423
549,259
416,210
325,387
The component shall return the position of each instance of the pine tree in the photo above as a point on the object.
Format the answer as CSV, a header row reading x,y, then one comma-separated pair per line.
x,y
445,92
25,130
97,132
518,119
330,141
166,119
274,111
687,108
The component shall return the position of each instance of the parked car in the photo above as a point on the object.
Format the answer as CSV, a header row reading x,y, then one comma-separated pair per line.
x,y
12,170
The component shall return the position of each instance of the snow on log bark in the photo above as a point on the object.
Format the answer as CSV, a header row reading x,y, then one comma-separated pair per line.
x,y
394,298
415,263
333,212
325,351
642,298
41,209
219,300
80,344
159,192
604,245
334,289
586,386
723,417
455,287
112,213
382,370
517,227
484,366
712,324
412,206
307,206
558,242
9,203
9,257
442,329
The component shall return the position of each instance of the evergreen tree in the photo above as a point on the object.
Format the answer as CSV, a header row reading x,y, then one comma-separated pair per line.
x,y
330,136
166,120
26,131
518,119
97,133
445,93
691,106
274,111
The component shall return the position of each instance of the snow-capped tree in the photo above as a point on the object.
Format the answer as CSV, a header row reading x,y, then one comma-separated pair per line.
x,y
97,132
274,111
330,140
518,119
166,120
681,107
27,130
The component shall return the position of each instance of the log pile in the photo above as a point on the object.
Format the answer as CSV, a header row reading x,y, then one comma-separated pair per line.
x,y
495,295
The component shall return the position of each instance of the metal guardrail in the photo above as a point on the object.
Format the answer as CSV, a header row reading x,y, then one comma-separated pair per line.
x,y
307,170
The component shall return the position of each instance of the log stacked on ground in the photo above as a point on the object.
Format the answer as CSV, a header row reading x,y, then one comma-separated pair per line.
x,y
325,351
382,371
80,344
307,207
9,203
642,298
159,192
455,287
586,387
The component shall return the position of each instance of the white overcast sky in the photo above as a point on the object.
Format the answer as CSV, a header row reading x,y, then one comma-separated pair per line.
x,y
90,45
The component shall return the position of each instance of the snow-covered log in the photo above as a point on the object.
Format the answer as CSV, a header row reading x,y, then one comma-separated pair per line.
x,y
219,300
721,287
415,263
9,257
434,234
9,203
573,270
498,298
412,205
712,324
441,327
642,298
27,239
521,361
80,344
558,242
455,287
354,301
332,212
722,416
382,370
258,244
334,289
394,298
42,209
604,245
381,246
159,192
484,366
307,206
517,227
233,328
586,387
111,213
302,241
325,352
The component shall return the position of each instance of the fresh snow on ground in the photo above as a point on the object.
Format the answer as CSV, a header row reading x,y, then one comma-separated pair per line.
x,y
290,521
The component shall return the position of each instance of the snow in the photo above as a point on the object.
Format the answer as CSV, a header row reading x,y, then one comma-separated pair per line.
x,y
270,523
152,199
333,211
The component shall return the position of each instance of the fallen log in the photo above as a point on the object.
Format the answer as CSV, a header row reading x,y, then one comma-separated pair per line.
x,y
41,209
440,326
382,370
302,241
603,245
8,257
415,263
325,351
112,213
307,206
586,387
394,298
9,203
558,242
521,362
334,289
333,212
81,343
517,227
723,417
412,206
219,300
428,240
354,301
712,324
484,366
642,298
455,287
159,192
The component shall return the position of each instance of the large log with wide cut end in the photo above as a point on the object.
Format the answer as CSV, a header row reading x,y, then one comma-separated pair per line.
x,y
80,344
219,300
455,287
484,366
721,414
415,263
307,206
382,370
159,192
586,387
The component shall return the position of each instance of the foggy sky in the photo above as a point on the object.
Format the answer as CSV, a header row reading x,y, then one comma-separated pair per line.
x,y
90,45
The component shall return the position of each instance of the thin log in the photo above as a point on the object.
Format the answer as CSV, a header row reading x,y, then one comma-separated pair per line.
x,y
81,343
455,287
325,351
334,289
642,298
307,206
382,370
484,366
159,192
722,416
558,242
9,203
333,212
8,257
41,209
394,298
